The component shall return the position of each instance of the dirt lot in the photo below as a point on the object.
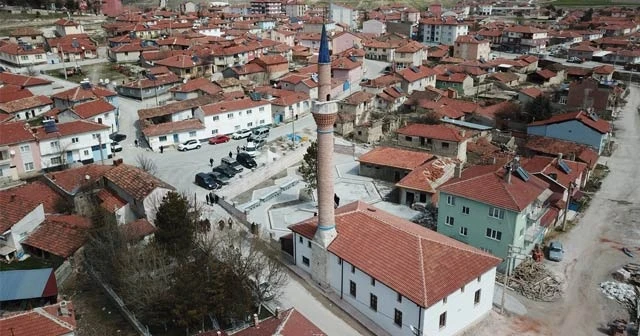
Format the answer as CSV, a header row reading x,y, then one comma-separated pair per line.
x,y
95,314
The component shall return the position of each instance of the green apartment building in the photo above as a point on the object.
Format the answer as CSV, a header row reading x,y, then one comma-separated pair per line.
x,y
492,207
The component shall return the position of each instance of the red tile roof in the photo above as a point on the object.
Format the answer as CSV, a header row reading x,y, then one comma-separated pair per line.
x,y
429,175
15,132
38,192
179,61
71,180
358,98
70,128
440,132
532,92
422,265
600,125
546,73
230,106
395,157
486,184
138,229
161,80
25,104
549,165
202,84
60,235
45,321
604,69
25,31
134,181
18,50
110,201
523,29
411,76
453,78
290,323
78,93
10,92
179,106
172,127
14,208
553,146
21,80
92,108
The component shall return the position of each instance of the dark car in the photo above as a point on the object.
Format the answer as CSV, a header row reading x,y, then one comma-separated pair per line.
x,y
206,181
219,178
231,163
219,139
224,170
246,160
117,137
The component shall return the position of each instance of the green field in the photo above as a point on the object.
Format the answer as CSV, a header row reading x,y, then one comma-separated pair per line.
x,y
591,3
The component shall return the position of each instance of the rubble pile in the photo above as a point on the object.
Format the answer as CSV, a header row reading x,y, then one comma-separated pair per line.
x,y
535,282
619,291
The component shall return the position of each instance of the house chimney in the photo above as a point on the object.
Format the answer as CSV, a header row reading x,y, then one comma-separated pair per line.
x,y
256,321
278,313
457,171
559,157
463,133
507,173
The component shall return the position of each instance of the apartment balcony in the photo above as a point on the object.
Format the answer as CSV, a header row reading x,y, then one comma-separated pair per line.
x,y
5,157
534,216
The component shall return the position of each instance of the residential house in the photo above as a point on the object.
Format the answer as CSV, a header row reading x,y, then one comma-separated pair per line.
x,y
346,70
274,65
623,56
546,77
27,108
83,93
295,8
400,296
507,79
561,174
442,30
283,36
128,52
420,185
590,93
390,164
57,319
229,116
141,190
374,27
74,141
468,47
173,133
494,36
185,66
175,111
22,54
377,85
300,83
252,71
21,217
358,104
462,83
77,186
524,39
19,152
390,99
345,14
417,78
98,111
37,86
285,323
195,88
603,73
527,95
514,213
59,236
410,54
72,50
439,140
285,105
27,35
66,27
583,51
580,127
268,7
538,145
149,87
369,132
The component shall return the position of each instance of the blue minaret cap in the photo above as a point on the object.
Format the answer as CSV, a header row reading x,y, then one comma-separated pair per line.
x,y
323,57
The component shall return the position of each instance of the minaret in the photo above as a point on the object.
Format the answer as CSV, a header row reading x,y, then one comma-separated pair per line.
x,y
324,113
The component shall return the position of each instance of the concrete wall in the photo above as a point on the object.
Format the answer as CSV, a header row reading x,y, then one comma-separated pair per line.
x,y
381,172
437,147
227,123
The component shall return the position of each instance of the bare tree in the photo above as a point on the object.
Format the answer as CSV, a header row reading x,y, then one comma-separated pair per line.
x,y
146,164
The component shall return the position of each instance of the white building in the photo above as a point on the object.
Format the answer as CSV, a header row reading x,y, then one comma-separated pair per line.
x,y
25,216
22,55
75,141
27,108
174,133
229,116
341,13
66,27
443,31
399,274
98,111
375,27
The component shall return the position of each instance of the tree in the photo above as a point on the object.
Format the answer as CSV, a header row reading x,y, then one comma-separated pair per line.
x,y
587,16
146,164
176,221
539,108
309,167
71,5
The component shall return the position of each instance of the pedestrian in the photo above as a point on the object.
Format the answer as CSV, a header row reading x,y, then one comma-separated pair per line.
x,y
208,199
135,142
230,154
161,149
211,162
238,149
296,117
230,222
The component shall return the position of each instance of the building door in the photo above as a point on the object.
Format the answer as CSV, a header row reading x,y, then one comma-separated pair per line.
x,y
69,156
409,198
175,138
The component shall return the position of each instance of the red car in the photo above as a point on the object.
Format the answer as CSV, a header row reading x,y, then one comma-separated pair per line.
x,y
219,139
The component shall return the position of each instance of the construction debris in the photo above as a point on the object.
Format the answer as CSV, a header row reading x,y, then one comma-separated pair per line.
x,y
533,281
617,327
633,271
622,292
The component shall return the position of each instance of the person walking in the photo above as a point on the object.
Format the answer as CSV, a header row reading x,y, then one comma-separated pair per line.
x,y
208,199
161,149
211,162
135,142
230,154
238,149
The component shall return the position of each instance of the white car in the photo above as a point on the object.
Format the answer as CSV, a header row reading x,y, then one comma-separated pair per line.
x,y
116,147
241,134
252,149
189,145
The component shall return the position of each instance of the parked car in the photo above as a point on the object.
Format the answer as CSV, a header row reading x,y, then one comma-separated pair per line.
x,y
219,139
556,252
116,147
117,137
241,134
224,170
189,145
220,179
253,148
575,60
255,137
231,163
206,181
246,160
261,132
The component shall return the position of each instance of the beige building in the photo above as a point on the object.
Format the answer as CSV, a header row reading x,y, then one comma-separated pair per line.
x,y
469,48
439,140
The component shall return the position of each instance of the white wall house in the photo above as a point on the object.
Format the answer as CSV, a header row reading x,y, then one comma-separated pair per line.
x,y
98,111
445,31
174,133
76,141
391,305
27,108
13,237
230,116
345,15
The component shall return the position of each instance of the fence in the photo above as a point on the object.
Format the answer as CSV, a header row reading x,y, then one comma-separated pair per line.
x,y
142,330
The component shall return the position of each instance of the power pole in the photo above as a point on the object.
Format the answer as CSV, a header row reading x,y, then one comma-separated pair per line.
x,y
566,207
64,65
512,252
